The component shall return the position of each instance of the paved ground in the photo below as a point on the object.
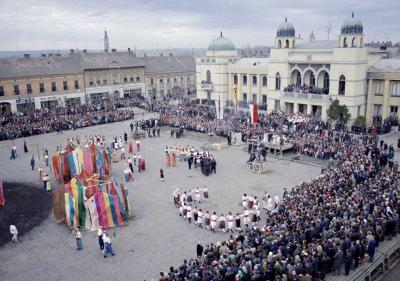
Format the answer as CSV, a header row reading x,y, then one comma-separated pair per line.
x,y
156,237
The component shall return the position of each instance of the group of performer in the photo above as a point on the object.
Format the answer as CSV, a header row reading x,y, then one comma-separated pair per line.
x,y
250,216
170,156
137,162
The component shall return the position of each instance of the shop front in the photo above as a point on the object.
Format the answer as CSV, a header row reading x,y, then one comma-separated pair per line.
x,y
25,105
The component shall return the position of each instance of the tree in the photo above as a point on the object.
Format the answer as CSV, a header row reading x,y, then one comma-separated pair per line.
x,y
338,112
360,121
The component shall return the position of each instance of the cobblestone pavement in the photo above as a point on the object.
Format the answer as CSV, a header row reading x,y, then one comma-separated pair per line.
x,y
156,237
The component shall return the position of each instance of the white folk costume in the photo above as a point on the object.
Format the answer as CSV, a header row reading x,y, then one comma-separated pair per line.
x,y
181,208
205,193
189,214
246,218
200,218
265,201
213,222
176,197
197,197
276,201
230,222
244,201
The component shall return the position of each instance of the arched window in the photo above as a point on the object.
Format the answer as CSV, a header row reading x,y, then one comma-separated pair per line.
x,y
264,81
312,79
235,79
298,78
293,43
345,42
208,76
326,81
277,81
254,80
354,42
279,44
287,44
244,80
342,85
361,43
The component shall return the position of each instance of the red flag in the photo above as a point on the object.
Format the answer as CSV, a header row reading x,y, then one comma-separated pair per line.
x,y
2,199
255,113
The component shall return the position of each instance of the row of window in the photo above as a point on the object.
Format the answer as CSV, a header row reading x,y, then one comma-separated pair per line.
x,y
41,89
213,60
168,80
99,80
342,81
379,88
254,80
377,110
254,98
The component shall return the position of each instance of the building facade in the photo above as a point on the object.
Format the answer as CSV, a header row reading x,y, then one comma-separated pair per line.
x,y
299,76
169,77
383,99
29,83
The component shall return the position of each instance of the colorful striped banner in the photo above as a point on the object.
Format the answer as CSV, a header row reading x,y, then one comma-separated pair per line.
x,y
81,206
108,208
71,215
118,210
71,164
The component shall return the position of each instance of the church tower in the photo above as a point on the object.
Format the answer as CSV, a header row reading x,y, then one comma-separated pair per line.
x,y
285,36
351,35
106,42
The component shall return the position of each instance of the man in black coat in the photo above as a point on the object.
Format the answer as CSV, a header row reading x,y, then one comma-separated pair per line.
x,y
190,161
199,250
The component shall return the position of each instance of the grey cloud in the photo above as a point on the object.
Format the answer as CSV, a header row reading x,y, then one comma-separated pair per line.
x,y
174,23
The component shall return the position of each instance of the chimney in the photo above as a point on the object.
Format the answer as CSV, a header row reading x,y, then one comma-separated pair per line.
x,y
27,55
114,50
129,50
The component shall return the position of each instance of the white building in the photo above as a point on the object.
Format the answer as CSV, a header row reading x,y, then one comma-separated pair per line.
x,y
299,76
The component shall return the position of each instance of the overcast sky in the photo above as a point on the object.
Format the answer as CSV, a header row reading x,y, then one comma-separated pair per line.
x,y
153,24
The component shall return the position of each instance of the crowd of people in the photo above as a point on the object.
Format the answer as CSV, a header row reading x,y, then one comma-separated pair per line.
x,y
330,224
327,225
306,89
47,120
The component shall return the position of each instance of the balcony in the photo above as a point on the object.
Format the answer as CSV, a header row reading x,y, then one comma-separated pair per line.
x,y
305,96
207,86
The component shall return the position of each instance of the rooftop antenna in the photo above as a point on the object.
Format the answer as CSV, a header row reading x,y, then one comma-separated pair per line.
x,y
328,28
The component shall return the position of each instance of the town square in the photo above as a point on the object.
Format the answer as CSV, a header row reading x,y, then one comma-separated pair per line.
x,y
219,160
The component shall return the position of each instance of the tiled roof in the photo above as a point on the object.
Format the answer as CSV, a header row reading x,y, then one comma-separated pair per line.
x,y
77,63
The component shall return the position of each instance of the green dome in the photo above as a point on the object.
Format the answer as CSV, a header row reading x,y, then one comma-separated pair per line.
x,y
285,29
221,44
352,26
